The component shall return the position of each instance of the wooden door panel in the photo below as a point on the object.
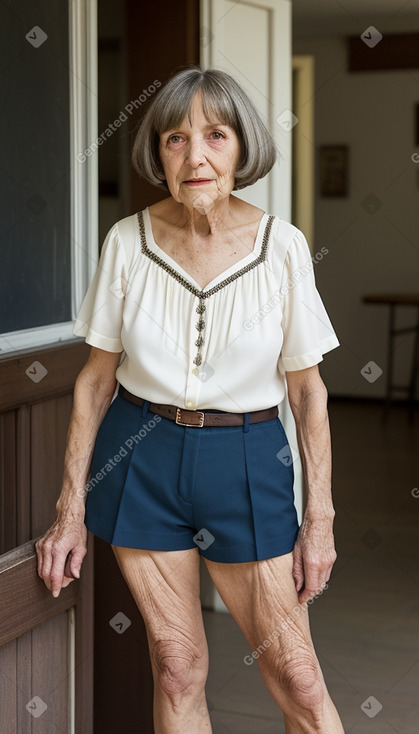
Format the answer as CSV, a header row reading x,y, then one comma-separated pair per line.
x,y
33,427
49,425
8,538
23,681
8,687
51,652
22,488
46,644
35,678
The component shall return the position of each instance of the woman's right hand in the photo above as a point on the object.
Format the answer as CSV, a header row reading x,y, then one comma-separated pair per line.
x,y
66,535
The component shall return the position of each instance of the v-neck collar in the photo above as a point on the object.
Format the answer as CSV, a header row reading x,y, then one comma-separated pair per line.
x,y
154,252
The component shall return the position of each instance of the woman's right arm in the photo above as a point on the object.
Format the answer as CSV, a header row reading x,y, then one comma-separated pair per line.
x,y
93,391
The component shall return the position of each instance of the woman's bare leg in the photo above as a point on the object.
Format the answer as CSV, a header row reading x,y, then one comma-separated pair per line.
x,y
165,586
261,597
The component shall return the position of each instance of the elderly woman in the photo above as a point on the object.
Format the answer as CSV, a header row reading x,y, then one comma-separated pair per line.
x,y
212,304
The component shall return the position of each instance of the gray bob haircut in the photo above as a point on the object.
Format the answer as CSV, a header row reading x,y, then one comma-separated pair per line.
x,y
222,99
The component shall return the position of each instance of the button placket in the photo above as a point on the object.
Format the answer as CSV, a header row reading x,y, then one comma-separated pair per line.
x,y
200,326
196,356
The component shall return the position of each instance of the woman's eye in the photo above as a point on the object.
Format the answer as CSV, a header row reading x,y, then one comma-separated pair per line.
x,y
176,139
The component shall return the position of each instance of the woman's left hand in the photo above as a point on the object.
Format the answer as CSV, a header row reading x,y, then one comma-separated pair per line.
x,y
314,556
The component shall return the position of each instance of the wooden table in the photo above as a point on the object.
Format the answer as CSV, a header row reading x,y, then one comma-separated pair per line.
x,y
393,300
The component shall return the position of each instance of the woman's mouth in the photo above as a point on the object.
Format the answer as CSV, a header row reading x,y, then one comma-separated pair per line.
x,y
198,181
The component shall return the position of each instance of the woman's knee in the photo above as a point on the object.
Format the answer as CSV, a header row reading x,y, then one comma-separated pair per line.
x,y
179,666
299,677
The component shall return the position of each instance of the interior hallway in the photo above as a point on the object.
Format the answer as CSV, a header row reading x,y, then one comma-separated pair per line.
x,y
365,626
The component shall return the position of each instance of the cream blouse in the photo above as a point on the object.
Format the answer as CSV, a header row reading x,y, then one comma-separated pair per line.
x,y
225,347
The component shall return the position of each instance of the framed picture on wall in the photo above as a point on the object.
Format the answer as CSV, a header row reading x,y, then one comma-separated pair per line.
x,y
333,167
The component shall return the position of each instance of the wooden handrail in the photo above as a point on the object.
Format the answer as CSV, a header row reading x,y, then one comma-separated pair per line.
x,y
25,601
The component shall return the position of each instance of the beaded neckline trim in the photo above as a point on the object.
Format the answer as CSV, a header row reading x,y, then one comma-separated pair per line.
x,y
201,294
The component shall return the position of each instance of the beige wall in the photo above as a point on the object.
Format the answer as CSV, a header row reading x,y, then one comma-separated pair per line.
x,y
373,113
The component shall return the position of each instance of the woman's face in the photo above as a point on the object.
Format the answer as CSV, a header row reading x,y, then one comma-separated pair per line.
x,y
199,159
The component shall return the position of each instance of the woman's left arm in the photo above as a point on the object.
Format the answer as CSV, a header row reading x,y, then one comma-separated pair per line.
x,y
314,551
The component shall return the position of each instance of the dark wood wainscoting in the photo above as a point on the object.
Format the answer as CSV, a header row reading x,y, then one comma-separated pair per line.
x,y
46,644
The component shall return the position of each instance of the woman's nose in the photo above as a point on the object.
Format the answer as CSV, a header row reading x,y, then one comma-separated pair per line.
x,y
195,154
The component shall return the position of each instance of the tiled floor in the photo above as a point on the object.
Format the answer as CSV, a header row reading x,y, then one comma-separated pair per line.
x,y
365,626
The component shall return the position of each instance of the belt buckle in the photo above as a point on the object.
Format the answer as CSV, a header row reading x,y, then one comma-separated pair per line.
x,y
200,415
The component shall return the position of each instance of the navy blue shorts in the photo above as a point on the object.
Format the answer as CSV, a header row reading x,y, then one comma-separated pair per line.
x,y
157,485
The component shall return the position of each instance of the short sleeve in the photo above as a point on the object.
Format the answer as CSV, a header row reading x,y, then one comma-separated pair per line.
x,y
100,316
308,332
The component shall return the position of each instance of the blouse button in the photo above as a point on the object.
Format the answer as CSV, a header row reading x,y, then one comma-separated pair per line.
x,y
189,403
195,371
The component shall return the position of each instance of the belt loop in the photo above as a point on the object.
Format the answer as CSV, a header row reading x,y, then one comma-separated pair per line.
x,y
144,409
246,422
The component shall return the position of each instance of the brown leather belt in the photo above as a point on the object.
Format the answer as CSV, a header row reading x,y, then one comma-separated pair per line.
x,y
198,418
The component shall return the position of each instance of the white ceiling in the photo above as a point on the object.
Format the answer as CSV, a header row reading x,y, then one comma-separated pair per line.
x,y
351,17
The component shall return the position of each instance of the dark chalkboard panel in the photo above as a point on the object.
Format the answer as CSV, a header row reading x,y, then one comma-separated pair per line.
x,y
35,230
